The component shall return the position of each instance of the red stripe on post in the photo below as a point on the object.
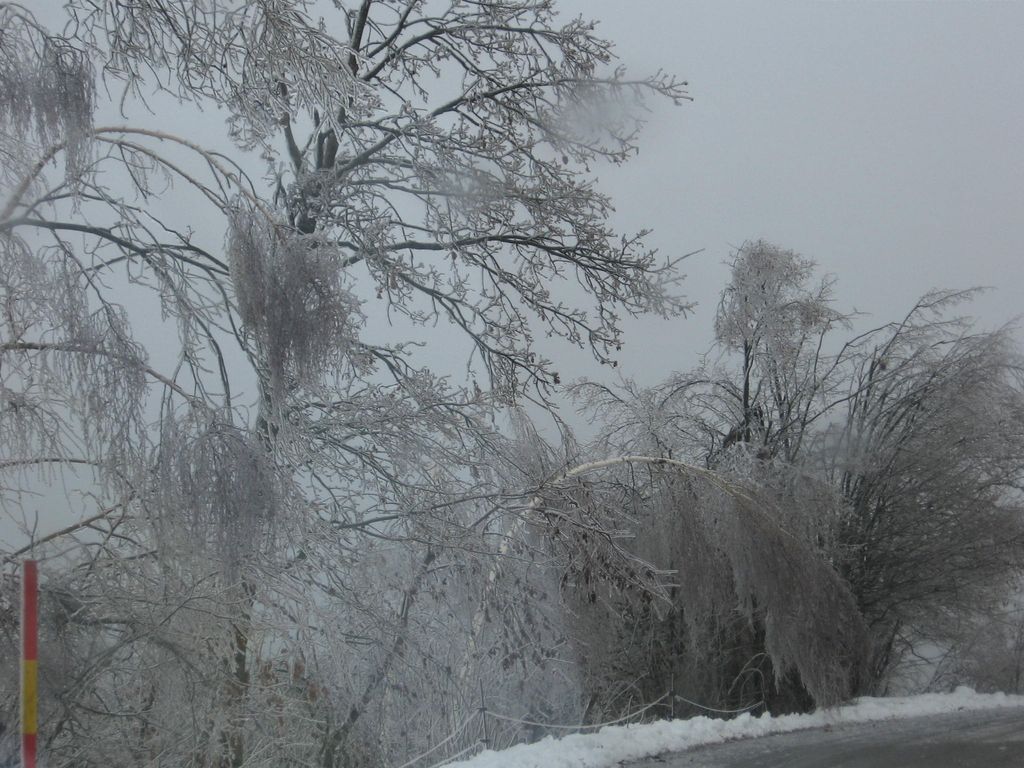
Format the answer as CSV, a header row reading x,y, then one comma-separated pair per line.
x,y
30,612
28,750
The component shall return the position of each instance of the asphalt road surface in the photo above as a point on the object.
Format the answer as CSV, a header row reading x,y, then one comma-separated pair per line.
x,y
988,739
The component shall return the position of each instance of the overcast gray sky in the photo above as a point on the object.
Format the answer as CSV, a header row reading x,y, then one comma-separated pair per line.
x,y
881,139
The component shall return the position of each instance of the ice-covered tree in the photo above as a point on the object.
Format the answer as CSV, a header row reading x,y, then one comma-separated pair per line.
x,y
773,318
890,461
928,459
220,335
754,616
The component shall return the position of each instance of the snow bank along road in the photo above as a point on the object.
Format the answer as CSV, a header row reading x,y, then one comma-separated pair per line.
x,y
614,745
968,739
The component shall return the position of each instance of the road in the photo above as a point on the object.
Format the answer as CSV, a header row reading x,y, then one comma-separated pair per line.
x,y
987,739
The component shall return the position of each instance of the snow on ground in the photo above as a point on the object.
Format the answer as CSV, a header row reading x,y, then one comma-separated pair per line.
x,y
617,743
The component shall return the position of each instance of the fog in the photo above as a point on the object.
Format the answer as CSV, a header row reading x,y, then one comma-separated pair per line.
x,y
880,139
267,430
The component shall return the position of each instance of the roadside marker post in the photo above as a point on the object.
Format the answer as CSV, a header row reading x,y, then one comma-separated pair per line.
x,y
29,662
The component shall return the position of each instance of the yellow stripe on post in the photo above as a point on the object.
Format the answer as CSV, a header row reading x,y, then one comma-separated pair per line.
x,y
29,696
